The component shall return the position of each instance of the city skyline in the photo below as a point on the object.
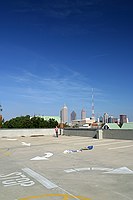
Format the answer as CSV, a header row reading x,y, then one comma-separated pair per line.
x,y
55,51
66,117
106,117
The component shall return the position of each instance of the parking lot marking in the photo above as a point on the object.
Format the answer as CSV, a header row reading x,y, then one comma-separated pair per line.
x,y
69,170
64,196
87,169
43,157
11,139
121,170
122,147
15,178
45,182
101,169
26,144
97,145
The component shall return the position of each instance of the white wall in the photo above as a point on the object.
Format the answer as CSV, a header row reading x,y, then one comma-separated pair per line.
x,y
25,132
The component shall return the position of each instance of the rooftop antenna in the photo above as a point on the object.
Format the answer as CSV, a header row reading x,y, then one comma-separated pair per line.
x,y
93,115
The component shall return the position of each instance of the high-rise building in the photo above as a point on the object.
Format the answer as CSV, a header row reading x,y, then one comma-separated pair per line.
x,y
105,118
83,114
64,115
123,119
73,115
100,119
110,119
115,120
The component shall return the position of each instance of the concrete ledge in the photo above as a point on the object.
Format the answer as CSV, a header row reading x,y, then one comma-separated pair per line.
x,y
80,132
118,134
100,134
25,132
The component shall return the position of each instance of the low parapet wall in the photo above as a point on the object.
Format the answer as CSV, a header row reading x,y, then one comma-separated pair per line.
x,y
100,134
109,134
80,132
118,134
25,132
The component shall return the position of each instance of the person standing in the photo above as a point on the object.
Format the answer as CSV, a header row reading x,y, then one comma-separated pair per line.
x,y
56,131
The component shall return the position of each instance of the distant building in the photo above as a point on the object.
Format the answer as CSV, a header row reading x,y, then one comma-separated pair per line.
x,y
64,115
87,122
128,125
73,115
83,114
111,119
110,126
100,119
105,118
123,119
56,118
115,120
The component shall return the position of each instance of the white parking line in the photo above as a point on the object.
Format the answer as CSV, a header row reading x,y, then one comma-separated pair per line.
x,y
45,182
97,142
12,139
122,147
111,143
121,170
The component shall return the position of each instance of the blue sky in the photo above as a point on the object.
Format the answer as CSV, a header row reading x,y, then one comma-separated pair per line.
x,y
53,52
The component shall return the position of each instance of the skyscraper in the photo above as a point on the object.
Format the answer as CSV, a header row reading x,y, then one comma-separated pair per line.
x,y
83,114
73,115
64,115
105,118
123,119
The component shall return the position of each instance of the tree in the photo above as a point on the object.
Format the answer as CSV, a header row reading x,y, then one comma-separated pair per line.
x,y
28,122
52,123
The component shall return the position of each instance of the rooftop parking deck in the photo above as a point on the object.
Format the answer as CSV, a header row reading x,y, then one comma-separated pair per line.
x,y
37,168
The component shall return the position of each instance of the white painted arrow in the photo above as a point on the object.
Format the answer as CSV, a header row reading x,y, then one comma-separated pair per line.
x,y
121,170
88,169
26,144
43,157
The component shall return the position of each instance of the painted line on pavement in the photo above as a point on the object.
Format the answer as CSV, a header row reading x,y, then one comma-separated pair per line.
x,y
121,170
111,143
48,155
45,182
122,147
64,196
11,139
87,169
26,144
102,143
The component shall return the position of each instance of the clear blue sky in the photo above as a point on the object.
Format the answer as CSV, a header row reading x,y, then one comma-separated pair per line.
x,y
55,51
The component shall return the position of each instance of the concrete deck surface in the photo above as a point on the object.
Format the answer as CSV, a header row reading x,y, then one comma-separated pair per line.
x,y
37,168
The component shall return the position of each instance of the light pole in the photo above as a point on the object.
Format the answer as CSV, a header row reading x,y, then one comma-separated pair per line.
x,y
0,116
0,108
